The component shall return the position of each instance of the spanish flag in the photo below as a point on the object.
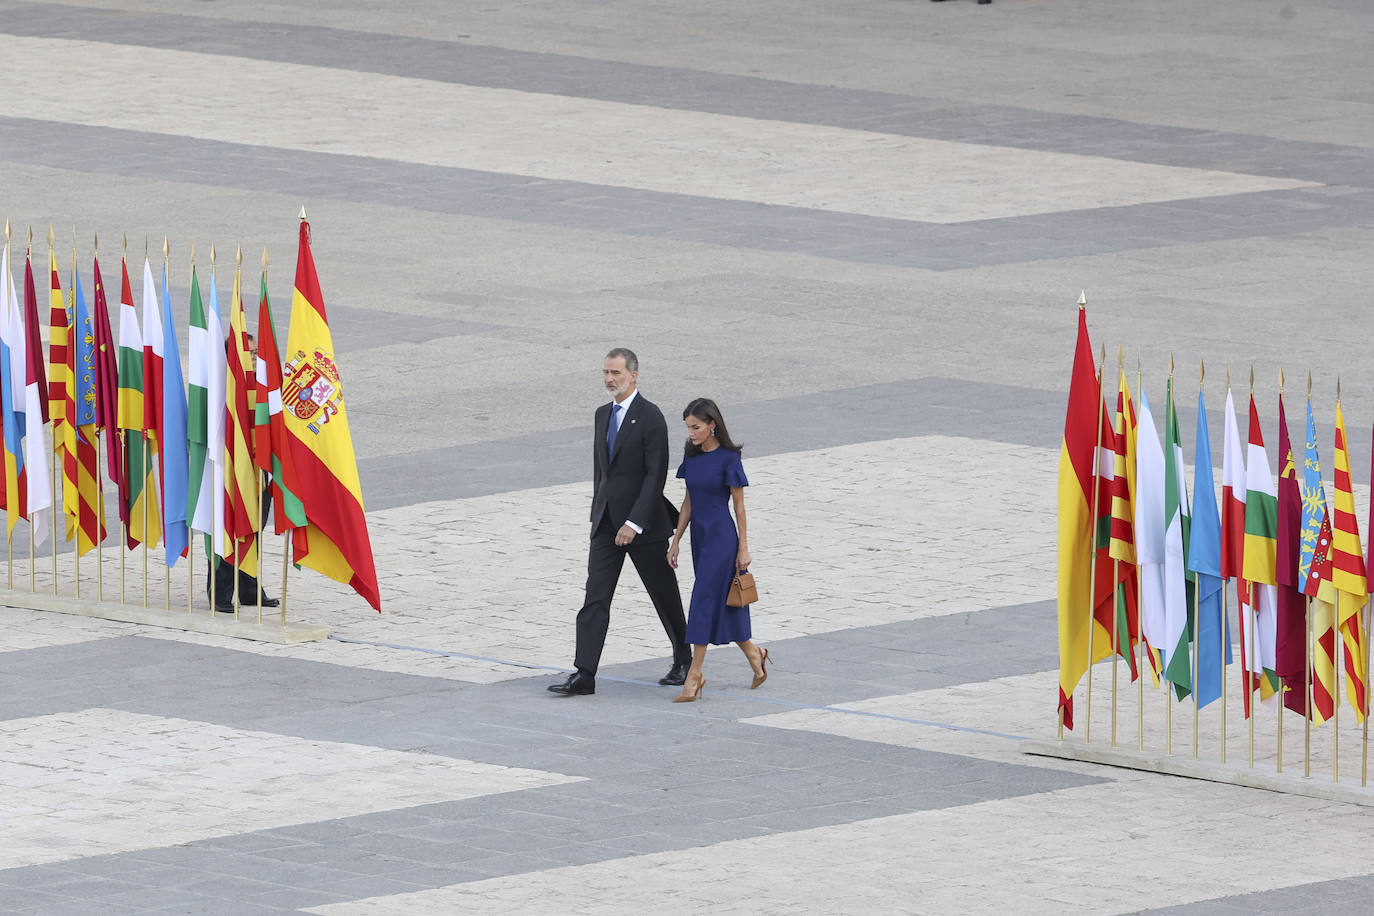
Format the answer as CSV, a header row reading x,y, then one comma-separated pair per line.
x,y
334,539
1077,458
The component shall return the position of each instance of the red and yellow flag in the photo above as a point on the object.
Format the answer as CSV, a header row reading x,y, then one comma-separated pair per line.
x,y
243,512
1348,574
334,540
1077,460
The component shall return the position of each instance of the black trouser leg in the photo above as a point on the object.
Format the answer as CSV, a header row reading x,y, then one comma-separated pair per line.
x,y
660,581
604,562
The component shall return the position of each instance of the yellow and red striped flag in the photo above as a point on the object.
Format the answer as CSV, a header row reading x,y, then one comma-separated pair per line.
x,y
334,540
1121,549
243,513
1348,575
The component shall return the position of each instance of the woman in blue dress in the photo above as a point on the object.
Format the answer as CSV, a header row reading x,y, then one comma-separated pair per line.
x,y
715,479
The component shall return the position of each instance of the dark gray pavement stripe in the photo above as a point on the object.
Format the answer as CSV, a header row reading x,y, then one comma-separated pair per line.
x,y
660,777
667,87
1338,897
675,217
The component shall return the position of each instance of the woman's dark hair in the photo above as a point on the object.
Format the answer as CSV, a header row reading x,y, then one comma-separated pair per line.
x,y
705,409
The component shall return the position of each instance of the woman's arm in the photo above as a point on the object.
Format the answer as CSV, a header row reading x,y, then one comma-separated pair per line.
x,y
684,516
737,497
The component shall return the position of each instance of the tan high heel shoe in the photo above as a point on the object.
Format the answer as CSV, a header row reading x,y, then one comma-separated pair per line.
x,y
684,698
763,670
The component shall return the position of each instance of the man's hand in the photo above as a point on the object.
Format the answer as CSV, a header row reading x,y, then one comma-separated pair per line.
x,y
624,536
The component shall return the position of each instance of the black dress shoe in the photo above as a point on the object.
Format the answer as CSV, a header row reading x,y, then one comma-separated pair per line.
x,y
270,602
224,608
675,677
576,685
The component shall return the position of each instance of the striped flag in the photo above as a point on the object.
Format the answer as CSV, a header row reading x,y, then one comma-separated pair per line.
x,y
1314,568
153,341
243,511
205,418
140,507
1121,549
1233,491
335,541
270,448
1150,536
59,376
1261,523
1179,585
1348,574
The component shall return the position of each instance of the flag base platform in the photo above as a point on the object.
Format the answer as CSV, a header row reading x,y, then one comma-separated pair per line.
x,y
1234,774
246,626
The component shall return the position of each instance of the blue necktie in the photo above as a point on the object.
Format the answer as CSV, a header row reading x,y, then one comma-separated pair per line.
x,y
612,428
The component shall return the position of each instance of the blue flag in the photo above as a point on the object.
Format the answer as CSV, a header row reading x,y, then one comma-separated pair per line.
x,y
82,342
175,448
1204,559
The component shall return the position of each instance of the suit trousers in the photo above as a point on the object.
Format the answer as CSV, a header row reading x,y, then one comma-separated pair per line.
x,y
604,563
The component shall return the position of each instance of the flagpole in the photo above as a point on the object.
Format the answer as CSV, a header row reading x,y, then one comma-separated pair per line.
x,y
1168,686
1197,603
286,565
28,272
1252,642
1136,650
52,260
1092,574
261,478
191,541
100,490
1116,563
72,341
286,544
166,557
1307,691
1364,737
1282,706
1337,643
123,458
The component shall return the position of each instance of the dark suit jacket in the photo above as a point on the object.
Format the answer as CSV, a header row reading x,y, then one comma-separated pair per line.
x,y
628,485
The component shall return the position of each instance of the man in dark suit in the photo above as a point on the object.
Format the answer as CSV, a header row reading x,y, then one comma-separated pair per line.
x,y
630,516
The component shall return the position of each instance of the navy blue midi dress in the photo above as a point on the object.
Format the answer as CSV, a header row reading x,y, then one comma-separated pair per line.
x,y
715,545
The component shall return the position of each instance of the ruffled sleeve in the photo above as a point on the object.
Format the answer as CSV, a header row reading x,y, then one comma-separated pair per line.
x,y
734,471
682,469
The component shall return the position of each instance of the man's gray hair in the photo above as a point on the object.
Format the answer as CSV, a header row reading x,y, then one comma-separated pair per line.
x,y
631,361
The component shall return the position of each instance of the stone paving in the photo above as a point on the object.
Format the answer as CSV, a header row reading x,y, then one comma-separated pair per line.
x,y
862,228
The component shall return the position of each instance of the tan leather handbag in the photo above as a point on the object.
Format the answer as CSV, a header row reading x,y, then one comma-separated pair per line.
x,y
742,589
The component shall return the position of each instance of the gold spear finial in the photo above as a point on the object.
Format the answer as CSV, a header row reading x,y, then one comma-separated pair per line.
x,y
238,256
1201,371
1309,384
1228,375
1121,356
264,259
1252,380
95,244
212,257
1338,390
1280,381
7,231
193,252
30,239
126,246
50,235
165,248
1171,366
303,220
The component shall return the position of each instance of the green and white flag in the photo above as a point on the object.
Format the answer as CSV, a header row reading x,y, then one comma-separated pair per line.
x,y
205,424
1178,582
